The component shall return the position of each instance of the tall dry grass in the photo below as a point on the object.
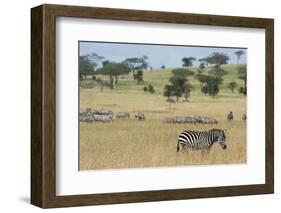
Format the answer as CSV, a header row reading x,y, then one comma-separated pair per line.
x,y
150,143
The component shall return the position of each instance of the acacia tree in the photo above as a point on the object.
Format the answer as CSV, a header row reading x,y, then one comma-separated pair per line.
x,y
179,84
211,82
169,91
218,58
202,78
239,53
85,67
113,70
136,63
184,73
232,85
88,64
211,85
188,61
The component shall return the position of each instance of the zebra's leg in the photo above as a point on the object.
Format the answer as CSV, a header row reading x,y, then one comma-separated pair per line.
x,y
183,148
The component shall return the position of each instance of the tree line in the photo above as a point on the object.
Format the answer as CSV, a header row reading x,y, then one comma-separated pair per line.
x,y
210,82
179,84
88,65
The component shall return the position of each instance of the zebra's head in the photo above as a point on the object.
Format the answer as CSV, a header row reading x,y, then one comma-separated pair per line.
x,y
220,137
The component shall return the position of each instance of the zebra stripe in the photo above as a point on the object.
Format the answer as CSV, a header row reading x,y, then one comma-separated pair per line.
x,y
203,141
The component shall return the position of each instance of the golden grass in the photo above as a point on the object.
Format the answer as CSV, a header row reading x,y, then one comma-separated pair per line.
x,y
150,143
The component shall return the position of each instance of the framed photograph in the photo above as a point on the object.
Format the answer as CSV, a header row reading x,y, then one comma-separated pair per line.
x,y
136,106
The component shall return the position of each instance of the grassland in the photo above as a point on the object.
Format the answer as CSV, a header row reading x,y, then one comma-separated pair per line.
x,y
136,144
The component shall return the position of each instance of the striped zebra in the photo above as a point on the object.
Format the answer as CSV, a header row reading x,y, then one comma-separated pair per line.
x,y
203,141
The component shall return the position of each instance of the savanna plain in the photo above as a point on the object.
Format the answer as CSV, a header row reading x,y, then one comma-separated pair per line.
x,y
130,143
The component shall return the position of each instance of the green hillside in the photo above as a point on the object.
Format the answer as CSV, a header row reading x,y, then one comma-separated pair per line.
x,y
159,78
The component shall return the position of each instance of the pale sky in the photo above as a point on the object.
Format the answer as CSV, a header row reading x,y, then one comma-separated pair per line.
x,y
158,55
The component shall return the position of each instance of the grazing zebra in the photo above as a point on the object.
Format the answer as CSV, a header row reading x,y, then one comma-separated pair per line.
x,y
102,118
203,141
244,117
140,116
230,116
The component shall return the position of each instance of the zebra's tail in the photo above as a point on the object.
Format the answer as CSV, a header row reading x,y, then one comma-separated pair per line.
x,y
178,146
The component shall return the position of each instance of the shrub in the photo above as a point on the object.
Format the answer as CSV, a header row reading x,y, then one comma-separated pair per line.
x,y
202,66
241,90
145,88
151,89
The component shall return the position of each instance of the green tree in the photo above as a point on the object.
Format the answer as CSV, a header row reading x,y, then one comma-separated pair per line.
x,y
145,88
179,80
217,70
182,72
169,91
85,67
202,79
232,85
210,84
218,58
239,53
241,90
151,88
188,61
113,70
88,64
136,63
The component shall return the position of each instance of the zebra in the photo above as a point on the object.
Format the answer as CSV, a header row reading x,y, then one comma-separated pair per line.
x,y
230,116
140,116
102,118
203,141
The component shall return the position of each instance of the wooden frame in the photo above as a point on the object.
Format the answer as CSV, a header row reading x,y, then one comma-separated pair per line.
x,y
43,105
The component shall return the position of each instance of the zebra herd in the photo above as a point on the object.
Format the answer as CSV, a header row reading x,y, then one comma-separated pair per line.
x,y
190,120
194,140
105,116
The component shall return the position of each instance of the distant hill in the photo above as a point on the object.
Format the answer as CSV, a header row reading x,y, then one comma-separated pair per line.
x,y
160,77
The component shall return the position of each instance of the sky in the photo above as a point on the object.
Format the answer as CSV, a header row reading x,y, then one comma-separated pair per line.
x,y
168,55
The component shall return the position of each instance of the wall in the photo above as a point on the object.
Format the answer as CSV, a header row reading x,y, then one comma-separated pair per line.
x,y
15,103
